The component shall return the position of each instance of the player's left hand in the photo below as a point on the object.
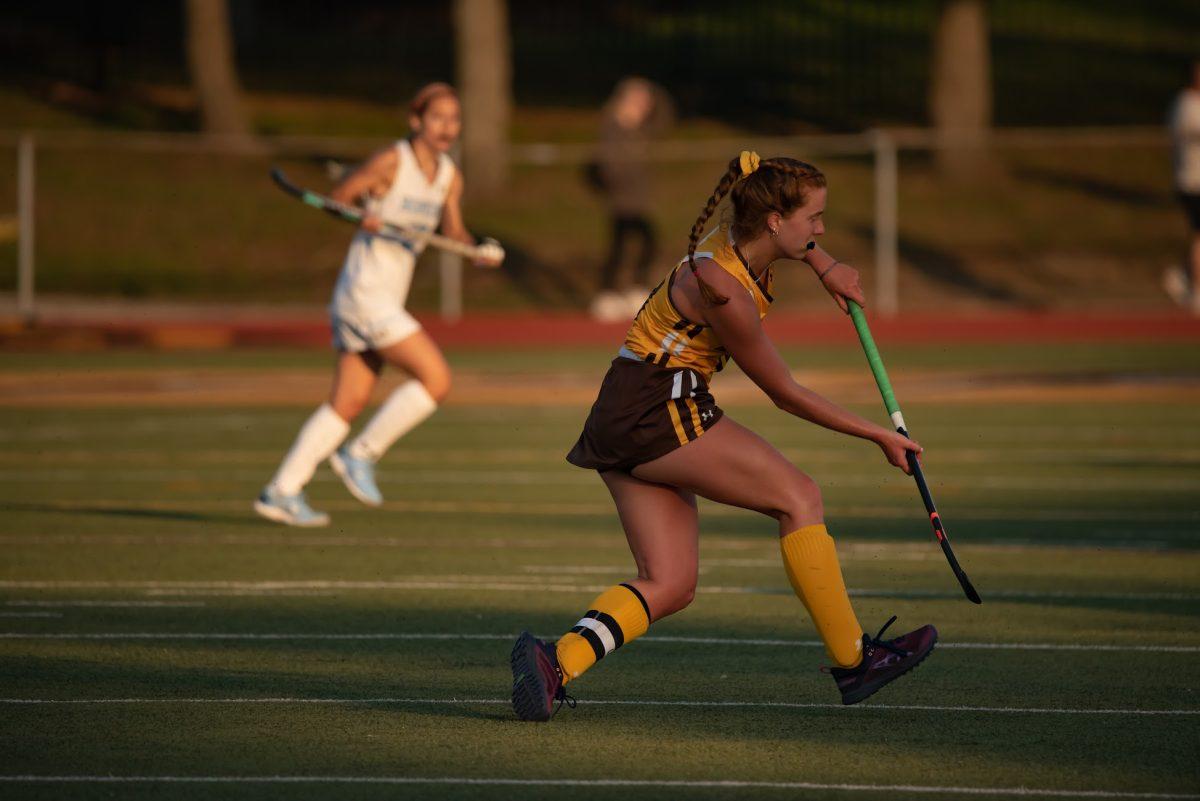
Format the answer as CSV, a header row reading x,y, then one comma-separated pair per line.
x,y
896,446
488,253
841,283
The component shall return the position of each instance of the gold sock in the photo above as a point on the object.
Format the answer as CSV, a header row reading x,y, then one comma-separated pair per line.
x,y
812,566
619,615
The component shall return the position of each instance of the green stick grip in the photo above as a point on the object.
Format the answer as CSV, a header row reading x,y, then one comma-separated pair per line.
x,y
873,357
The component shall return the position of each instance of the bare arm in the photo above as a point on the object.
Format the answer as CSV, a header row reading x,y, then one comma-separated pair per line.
x,y
740,330
373,178
840,280
452,218
490,254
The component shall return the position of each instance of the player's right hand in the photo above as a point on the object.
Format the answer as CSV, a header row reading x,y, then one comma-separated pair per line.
x,y
489,253
371,224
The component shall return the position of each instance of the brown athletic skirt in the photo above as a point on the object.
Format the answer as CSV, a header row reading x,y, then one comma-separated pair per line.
x,y
643,411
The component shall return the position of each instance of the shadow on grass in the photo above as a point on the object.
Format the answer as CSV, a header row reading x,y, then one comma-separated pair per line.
x,y
137,513
544,284
951,271
1092,186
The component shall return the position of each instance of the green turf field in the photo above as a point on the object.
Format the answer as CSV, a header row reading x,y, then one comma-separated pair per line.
x,y
154,627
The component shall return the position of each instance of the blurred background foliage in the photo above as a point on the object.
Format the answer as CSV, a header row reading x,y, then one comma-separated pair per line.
x,y
1050,225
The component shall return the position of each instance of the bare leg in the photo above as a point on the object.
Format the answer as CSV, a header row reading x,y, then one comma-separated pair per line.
x,y
662,528
354,377
411,403
419,356
731,464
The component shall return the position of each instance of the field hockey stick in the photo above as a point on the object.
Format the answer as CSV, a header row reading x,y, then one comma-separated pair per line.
x,y
893,409
395,233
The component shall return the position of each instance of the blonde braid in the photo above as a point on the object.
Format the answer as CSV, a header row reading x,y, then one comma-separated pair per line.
x,y
732,173
800,170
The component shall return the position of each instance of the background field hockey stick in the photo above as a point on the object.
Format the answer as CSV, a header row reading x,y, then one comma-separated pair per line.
x,y
893,409
353,214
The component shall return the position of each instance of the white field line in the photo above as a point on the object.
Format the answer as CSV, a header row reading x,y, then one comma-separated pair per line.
x,y
104,604
1111,440
505,583
30,614
283,701
844,554
1053,483
605,509
655,639
665,784
245,593
331,541
900,551
586,570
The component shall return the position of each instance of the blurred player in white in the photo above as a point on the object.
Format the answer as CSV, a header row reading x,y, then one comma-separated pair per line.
x,y
1183,284
415,185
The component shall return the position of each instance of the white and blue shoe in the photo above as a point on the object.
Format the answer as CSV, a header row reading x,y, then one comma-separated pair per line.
x,y
290,509
358,475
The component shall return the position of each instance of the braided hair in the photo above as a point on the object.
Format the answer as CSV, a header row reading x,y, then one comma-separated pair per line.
x,y
756,189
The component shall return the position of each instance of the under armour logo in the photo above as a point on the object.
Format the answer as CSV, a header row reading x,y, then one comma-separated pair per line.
x,y
706,416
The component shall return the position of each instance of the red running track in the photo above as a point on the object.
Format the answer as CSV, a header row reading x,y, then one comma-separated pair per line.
x,y
549,330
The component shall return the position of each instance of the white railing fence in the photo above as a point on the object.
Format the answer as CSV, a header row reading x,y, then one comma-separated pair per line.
x,y
882,146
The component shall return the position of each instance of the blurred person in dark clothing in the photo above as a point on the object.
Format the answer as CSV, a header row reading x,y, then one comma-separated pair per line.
x,y
637,111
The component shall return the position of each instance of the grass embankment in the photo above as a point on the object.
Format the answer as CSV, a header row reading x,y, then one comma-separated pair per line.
x,y
1045,227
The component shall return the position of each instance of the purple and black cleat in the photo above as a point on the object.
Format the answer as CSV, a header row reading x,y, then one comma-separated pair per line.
x,y
537,679
883,661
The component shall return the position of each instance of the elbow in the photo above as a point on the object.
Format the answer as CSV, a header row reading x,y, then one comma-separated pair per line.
x,y
782,402
793,405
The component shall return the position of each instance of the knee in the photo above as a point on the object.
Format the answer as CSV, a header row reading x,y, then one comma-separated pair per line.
x,y
685,597
676,596
434,376
800,498
349,405
437,384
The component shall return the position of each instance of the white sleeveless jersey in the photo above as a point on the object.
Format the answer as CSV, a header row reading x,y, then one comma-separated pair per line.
x,y
1185,125
377,273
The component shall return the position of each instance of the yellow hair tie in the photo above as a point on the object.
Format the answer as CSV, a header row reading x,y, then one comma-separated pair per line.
x,y
749,162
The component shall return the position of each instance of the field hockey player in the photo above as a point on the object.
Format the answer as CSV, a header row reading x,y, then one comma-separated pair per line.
x,y
658,440
414,185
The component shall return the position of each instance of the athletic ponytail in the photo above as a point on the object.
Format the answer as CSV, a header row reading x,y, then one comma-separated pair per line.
x,y
732,173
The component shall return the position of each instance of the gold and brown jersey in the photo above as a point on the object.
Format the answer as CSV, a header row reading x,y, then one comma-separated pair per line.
x,y
661,335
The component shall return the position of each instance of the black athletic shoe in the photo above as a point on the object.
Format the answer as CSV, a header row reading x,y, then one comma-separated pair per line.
x,y
537,679
883,661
